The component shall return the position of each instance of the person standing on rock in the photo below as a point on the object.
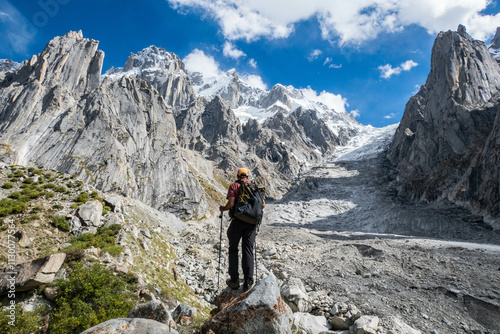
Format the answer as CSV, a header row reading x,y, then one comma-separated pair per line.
x,y
239,230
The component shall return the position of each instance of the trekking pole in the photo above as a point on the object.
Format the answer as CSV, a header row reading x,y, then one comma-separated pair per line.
x,y
220,251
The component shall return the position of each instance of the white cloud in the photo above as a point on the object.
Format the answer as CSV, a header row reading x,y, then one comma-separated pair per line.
x,y
254,81
252,63
332,101
335,66
231,51
387,71
391,115
343,21
198,61
354,113
327,60
314,55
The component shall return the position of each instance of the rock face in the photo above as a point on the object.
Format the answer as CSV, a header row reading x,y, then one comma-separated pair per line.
x,y
445,147
261,310
119,135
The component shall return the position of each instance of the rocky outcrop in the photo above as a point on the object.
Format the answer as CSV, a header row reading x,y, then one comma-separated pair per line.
x,y
261,310
119,135
448,126
28,276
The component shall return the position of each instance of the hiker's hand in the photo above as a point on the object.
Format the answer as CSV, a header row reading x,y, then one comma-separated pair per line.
x,y
222,208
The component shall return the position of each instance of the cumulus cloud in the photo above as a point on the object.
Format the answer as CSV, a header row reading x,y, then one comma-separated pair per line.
x,y
387,71
335,66
314,55
252,63
198,61
342,21
332,101
254,81
231,51
391,115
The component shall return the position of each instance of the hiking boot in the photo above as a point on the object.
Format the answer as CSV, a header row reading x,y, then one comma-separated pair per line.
x,y
247,286
233,284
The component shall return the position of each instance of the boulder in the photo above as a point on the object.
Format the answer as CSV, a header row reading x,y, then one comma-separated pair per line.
x,y
260,310
295,295
113,219
90,213
32,274
182,311
397,326
154,310
310,324
131,326
23,239
365,325
115,202
339,323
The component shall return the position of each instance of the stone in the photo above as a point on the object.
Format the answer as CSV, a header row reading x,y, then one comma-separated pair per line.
x,y
113,219
154,310
338,323
145,232
23,239
182,311
295,295
32,274
308,323
121,269
90,213
366,325
131,326
395,325
115,202
50,292
259,310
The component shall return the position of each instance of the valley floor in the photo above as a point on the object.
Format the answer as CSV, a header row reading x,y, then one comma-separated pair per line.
x,y
340,230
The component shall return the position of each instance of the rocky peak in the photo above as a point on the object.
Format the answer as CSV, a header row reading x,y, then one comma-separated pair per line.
x,y
164,70
69,59
277,94
463,69
446,126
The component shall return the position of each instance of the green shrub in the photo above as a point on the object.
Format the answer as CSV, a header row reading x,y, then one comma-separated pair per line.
x,y
60,189
82,198
57,207
79,183
28,181
29,219
31,169
88,297
11,206
38,172
49,194
61,223
70,185
26,322
7,185
36,209
18,174
94,194
105,239
48,185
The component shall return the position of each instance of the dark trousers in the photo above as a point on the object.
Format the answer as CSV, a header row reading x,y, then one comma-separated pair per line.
x,y
239,230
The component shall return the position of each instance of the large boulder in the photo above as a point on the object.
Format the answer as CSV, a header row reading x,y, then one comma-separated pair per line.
x,y
30,275
310,324
90,213
131,326
260,310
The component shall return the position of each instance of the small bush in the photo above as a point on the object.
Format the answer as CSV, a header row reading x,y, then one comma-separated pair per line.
x,y
88,297
26,322
31,169
70,185
94,194
49,194
7,185
28,181
11,206
60,189
82,198
61,223
105,239
48,186
36,209
19,173
57,207
29,219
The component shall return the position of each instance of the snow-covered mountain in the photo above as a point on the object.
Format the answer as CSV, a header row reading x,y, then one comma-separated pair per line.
x,y
8,65
249,99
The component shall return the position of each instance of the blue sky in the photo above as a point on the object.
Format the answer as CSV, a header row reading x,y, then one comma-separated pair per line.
x,y
370,56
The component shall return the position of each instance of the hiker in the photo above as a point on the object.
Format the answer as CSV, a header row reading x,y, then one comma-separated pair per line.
x,y
240,230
